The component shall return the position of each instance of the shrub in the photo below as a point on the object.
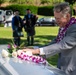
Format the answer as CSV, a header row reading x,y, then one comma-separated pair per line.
x,y
22,8
1,25
45,10
42,10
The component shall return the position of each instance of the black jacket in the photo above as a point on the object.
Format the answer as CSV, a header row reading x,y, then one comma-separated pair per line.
x,y
17,23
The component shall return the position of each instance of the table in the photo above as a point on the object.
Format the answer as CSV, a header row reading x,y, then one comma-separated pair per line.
x,y
24,68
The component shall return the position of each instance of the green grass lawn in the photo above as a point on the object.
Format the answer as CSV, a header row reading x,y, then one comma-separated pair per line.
x,y
43,36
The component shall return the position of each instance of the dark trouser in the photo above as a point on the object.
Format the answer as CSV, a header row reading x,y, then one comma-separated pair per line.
x,y
30,40
17,41
30,36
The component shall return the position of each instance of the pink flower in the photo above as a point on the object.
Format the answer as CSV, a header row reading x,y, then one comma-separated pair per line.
x,y
15,46
35,59
9,46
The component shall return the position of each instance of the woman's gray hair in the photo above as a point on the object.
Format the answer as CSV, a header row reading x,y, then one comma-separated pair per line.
x,y
64,8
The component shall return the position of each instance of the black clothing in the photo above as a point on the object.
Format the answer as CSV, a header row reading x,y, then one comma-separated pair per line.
x,y
17,26
30,24
17,23
30,27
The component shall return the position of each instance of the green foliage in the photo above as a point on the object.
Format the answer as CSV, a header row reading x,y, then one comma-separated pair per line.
x,y
13,1
70,1
12,47
42,10
22,8
18,1
36,2
45,10
73,12
45,1
21,1
2,1
1,25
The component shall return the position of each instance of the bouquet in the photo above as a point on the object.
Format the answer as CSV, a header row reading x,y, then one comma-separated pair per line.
x,y
18,54
12,47
27,56
5,53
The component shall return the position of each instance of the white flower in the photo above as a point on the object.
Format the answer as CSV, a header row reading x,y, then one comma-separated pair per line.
x,y
4,53
19,52
14,54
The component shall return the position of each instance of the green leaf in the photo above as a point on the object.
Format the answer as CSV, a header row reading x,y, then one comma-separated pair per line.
x,y
22,45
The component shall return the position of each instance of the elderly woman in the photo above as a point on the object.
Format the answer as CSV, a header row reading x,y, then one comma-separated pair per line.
x,y
65,42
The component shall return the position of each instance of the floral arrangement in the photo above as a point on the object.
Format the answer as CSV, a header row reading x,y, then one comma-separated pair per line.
x,y
24,56
17,54
12,47
32,58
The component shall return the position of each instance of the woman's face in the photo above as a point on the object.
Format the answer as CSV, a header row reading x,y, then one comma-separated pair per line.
x,y
60,19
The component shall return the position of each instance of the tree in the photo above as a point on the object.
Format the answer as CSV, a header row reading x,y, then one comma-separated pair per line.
x,y
1,1
12,1
19,1
45,1
70,1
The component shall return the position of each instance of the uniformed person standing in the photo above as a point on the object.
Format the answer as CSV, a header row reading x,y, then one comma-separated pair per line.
x,y
29,26
17,25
